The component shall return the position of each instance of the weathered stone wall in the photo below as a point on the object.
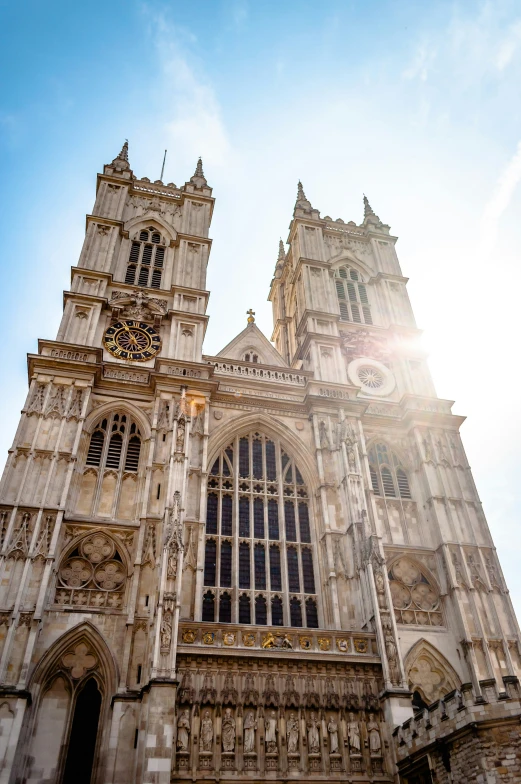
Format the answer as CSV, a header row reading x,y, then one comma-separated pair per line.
x,y
465,738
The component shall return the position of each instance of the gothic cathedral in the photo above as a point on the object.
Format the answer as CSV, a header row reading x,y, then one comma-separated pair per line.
x,y
267,565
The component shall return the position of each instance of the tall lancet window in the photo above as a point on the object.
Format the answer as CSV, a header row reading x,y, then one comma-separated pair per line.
x,y
259,562
353,300
146,259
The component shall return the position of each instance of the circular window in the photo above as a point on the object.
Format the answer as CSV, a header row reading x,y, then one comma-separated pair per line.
x,y
372,377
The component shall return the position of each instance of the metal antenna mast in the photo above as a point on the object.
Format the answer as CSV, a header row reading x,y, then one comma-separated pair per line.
x,y
163,166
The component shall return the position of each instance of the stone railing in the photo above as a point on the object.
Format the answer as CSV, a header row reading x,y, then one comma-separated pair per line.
x,y
259,373
279,639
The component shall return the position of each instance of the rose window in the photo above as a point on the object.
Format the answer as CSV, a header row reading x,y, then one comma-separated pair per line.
x,y
92,575
371,377
415,599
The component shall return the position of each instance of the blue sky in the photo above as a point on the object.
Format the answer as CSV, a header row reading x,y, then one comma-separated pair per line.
x,y
416,104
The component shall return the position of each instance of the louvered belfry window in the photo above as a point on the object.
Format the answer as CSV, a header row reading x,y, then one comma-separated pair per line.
x,y
353,300
259,563
146,259
388,476
115,445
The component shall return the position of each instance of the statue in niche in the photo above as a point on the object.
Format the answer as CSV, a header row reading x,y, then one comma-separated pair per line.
x,y
183,731
353,735
172,563
313,735
373,730
332,728
206,732
380,589
292,732
250,725
228,731
270,727
166,632
180,437
322,434
427,449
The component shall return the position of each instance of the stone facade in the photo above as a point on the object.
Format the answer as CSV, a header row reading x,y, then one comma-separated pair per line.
x,y
243,566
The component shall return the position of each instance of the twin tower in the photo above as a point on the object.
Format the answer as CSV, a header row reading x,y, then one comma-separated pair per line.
x,y
269,564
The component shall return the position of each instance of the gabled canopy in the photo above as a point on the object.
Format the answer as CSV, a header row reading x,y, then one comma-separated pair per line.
x,y
252,338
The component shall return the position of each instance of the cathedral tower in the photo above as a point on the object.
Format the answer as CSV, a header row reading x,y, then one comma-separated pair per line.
x,y
267,564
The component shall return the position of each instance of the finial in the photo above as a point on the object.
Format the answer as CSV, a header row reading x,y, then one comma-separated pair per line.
x,y
301,196
282,252
124,152
199,168
302,201
251,316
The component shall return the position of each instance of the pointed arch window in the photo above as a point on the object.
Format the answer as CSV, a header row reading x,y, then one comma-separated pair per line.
x,y
352,296
146,259
258,535
114,451
388,476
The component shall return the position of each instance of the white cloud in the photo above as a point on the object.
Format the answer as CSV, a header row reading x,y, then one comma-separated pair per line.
x,y
499,201
192,118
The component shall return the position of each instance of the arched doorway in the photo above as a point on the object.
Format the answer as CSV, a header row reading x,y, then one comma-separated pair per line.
x,y
82,739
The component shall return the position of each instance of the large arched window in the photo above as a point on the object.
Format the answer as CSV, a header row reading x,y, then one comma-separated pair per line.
x,y
146,259
111,467
388,477
258,552
352,296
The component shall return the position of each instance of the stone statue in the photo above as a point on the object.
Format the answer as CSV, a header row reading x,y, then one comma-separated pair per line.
x,y
332,728
228,731
250,725
353,735
206,732
172,563
313,735
166,631
322,434
292,732
180,438
270,727
427,449
183,731
375,743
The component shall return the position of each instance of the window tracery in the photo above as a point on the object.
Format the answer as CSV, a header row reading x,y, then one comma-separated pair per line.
x,y
146,259
352,296
92,574
251,356
415,599
258,538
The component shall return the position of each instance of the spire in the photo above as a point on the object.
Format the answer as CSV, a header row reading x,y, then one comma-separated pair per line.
x,y
199,168
120,162
369,213
302,202
281,258
198,177
124,152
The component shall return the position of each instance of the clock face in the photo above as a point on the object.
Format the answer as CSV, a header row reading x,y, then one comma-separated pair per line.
x,y
132,340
